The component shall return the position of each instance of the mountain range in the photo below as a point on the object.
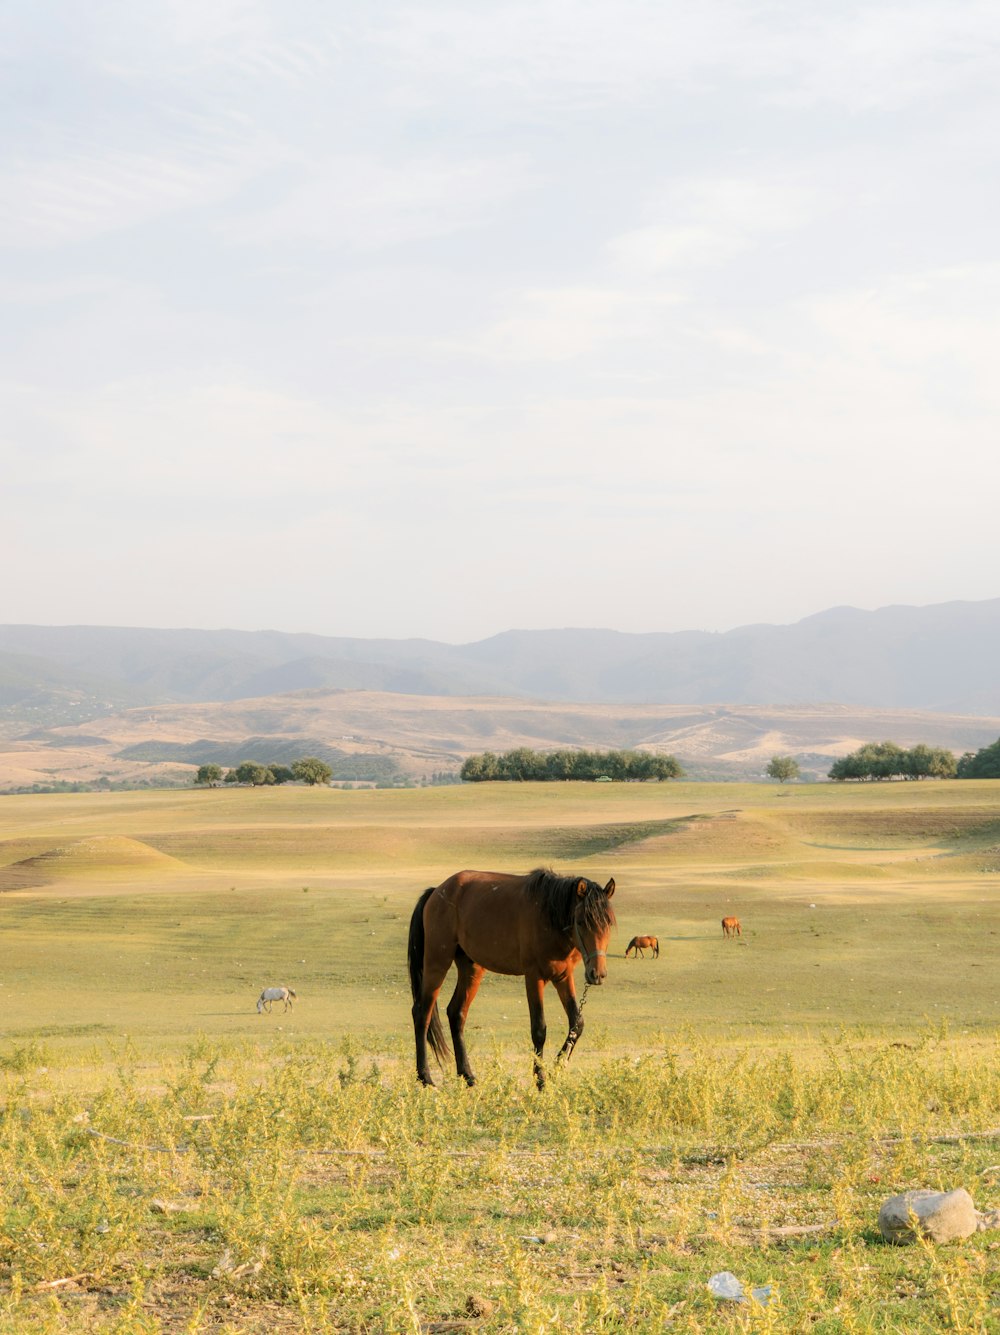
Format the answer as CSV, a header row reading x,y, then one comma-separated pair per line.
x,y
97,705
941,658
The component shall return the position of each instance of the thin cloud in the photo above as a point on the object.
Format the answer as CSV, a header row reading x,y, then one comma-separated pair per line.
x,y
712,287
367,203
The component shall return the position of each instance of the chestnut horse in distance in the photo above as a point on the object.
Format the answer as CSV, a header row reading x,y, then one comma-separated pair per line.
x,y
642,943
731,927
540,926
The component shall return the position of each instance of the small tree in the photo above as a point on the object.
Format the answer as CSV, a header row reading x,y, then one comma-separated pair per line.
x,y
666,767
208,774
783,768
930,762
254,774
312,771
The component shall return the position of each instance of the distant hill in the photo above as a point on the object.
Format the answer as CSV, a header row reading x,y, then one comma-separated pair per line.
x,y
941,658
372,736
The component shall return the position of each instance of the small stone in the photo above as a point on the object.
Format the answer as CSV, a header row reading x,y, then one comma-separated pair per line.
x,y
159,1206
225,1265
476,1306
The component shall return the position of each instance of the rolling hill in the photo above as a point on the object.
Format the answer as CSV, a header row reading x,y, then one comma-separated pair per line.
x,y
370,735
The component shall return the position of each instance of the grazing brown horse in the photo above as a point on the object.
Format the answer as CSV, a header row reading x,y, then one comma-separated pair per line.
x,y
642,943
540,925
731,927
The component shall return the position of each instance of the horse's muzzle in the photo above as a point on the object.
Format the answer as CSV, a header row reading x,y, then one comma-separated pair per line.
x,y
595,979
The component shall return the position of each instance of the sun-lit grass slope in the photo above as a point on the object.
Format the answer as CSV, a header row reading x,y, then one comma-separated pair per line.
x,y
877,903
98,858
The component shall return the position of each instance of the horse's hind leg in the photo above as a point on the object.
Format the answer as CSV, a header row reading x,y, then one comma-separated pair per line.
x,y
536,987
435,969
470,975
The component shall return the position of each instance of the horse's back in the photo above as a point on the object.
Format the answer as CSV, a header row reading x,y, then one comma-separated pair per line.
x,y
486,914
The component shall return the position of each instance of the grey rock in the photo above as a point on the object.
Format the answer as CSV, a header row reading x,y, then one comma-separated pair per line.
x,y
941,1216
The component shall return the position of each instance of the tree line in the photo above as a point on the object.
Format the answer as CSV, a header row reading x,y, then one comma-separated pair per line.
x,y
876,761
524,765
308,770
981,764
873,762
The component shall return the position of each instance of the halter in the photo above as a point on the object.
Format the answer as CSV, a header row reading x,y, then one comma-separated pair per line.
x,y
578,938
588,955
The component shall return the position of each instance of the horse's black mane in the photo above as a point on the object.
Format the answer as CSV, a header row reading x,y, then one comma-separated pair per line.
x,y
558,899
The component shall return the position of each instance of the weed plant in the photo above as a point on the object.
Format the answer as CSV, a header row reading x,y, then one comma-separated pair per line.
x,y
314,1188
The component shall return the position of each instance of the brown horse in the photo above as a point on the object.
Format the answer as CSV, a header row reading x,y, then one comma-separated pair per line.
x,y
731,927
642,943
540,925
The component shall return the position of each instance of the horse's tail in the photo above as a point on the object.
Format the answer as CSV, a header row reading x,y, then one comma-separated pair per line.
x,y
415,956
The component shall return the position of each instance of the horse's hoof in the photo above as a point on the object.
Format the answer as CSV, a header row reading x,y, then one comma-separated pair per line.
x,y
469,1079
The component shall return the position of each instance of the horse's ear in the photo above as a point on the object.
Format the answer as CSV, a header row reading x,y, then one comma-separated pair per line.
x,y
581,887
609,889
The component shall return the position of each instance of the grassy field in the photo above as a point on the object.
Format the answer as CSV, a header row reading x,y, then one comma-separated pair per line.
x,y
283,1172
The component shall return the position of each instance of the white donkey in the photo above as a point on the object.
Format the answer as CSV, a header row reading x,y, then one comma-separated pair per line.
x,y
270,994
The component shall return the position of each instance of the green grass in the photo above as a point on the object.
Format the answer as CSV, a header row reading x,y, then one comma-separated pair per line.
x,y
314,1188
727,1090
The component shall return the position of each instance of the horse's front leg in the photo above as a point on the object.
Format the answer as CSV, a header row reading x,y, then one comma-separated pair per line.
x,y
535,987
567,995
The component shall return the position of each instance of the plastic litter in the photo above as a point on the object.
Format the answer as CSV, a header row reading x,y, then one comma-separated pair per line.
x,y
725,1286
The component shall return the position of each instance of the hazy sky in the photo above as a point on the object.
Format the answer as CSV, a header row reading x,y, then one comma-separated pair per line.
x,y
441,319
